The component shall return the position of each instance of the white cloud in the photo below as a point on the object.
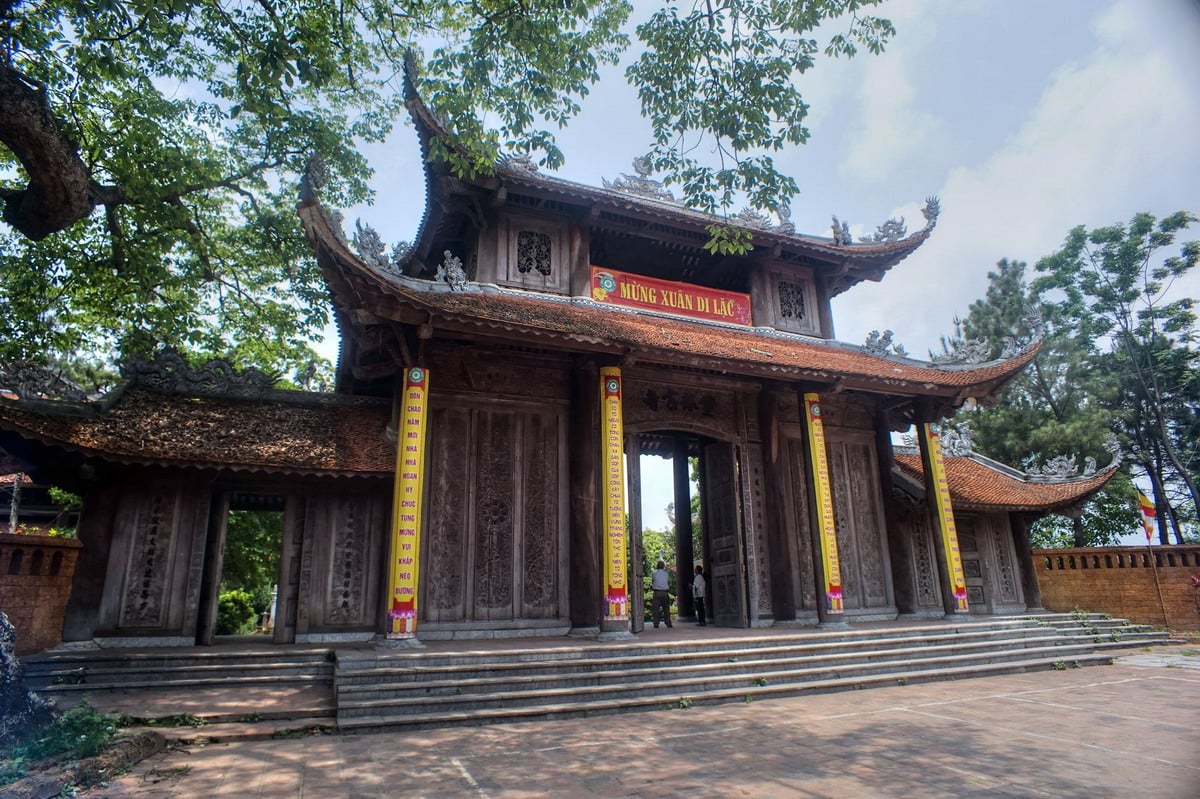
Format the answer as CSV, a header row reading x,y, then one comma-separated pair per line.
x,y
1112,134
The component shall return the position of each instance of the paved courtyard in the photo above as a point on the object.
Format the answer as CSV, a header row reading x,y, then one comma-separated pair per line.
x,y
1128,730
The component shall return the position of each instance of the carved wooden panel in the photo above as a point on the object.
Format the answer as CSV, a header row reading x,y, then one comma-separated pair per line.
x,y
156,562
348,564
340,574
679,407
150,561
494,501
540,527
758,558
1007,588
798,521
449,470
493,548
500,373
721,516
973,550
858,513
914,522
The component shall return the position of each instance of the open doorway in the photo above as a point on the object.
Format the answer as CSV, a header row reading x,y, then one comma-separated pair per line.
x,y
685,508
245,542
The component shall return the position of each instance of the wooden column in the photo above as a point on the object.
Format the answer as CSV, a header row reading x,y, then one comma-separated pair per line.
x,y
684,554
826,564
95,531
584,462
941,512
900,546
1019,524
780,540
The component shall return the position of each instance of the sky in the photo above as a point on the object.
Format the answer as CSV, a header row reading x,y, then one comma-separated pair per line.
x,y
1025,117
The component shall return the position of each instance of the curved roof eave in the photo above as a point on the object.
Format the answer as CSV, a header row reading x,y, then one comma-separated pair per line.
x,y
592,327
978,483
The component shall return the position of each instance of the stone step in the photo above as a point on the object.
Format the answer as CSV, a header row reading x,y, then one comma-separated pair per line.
x,y
362,661
657,668
355,669
103,670
477,716
685,682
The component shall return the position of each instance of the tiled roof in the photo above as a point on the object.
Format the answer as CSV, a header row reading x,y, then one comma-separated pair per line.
x,y
321,437
649,336
976,485
874,256
11,479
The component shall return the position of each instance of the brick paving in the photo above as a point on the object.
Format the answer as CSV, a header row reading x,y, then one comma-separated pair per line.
x,y
1128,730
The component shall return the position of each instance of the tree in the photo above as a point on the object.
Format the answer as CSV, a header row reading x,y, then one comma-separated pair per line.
x,y
1113,286
149,151
1060,405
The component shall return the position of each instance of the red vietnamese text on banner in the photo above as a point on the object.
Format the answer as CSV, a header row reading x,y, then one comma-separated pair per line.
x,y
685,299
405,546
1148,513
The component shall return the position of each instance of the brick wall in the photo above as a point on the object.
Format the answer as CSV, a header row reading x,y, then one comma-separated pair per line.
x,y
35,581
1120,581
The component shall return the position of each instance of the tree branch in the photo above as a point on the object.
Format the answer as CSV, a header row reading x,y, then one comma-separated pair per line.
x,y
58,193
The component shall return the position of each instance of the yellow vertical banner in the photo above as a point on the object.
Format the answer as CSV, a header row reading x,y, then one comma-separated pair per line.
x,y
616,590
406,505
945,515
824,499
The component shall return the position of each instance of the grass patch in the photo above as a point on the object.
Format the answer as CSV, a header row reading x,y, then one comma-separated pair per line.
x,y
79,733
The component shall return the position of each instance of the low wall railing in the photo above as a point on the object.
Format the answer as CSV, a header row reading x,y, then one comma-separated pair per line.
x,y
1157,585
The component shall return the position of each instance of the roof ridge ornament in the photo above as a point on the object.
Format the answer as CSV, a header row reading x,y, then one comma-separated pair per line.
x,y
169,372
957,439
1062,468
890,231
451,271
841,233
518,162
30,380
372,250
931,211
641,184
882,346
970,351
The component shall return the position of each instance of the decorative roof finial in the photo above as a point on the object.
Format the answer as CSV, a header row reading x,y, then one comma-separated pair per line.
x,y
931,211
451,270
640,184
841,233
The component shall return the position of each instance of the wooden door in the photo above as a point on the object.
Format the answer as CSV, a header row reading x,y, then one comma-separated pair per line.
x,y
214,556
861,528
723,530
494,540
972,551
287,598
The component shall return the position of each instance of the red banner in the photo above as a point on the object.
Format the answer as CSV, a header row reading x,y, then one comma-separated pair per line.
x,y
684,299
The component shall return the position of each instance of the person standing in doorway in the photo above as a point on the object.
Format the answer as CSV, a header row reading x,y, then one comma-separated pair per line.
x,y
660,583
698,586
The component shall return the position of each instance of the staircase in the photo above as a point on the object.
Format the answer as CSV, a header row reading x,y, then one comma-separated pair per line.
x,y
222,684
377,690
367,689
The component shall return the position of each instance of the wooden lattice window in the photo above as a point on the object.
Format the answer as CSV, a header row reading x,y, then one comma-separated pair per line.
x,y
533,252
791,301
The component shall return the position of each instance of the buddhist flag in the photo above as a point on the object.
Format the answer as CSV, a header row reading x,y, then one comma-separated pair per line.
x,y
1147,511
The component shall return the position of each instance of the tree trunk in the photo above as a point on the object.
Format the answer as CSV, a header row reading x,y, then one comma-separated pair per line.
x,y
1078,533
